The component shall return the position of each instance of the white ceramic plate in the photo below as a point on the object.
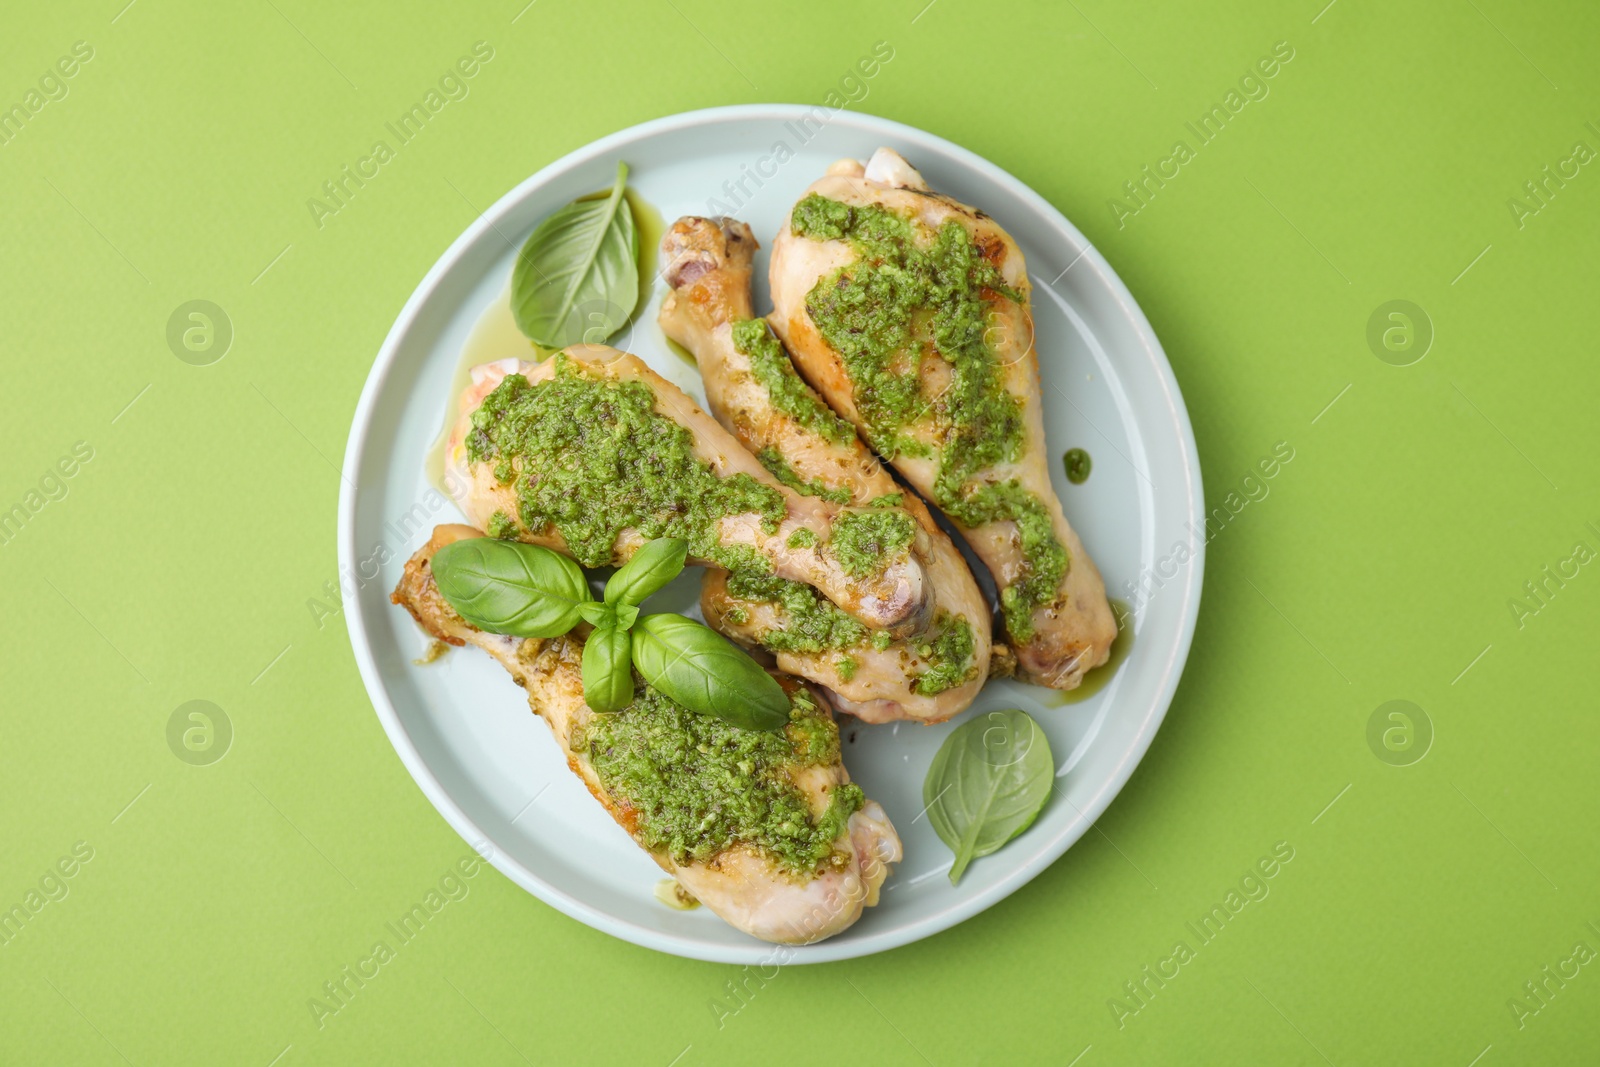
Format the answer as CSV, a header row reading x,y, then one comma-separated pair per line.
x,y
464,730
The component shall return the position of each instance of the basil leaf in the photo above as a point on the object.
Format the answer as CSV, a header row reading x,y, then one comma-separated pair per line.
x,y
987,784
507,587
703,671
577,277
607,670
652,567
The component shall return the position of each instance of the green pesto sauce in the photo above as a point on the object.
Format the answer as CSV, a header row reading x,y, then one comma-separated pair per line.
x,y
813,623
788,393
899,298
701,786
779,468
905,297
1044,557
592,458
948,651
802,538
863,541
501,525
1078,465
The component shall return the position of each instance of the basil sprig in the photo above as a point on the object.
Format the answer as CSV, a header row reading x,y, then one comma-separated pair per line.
x,y
987,783
506,587
577,277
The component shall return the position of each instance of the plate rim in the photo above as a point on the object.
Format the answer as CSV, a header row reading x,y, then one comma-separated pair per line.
x,y
759,952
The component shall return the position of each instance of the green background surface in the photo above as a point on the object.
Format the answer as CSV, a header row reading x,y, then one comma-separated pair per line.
x,y
1382,565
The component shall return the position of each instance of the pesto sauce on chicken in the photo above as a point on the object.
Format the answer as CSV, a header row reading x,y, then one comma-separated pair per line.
x,y
948,650
699,786
910,292
812,625
591,457
770,365
779,468
863,541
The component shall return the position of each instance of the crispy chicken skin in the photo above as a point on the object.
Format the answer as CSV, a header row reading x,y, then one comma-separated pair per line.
x,y
741,885
1072,632
898,597
708,267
